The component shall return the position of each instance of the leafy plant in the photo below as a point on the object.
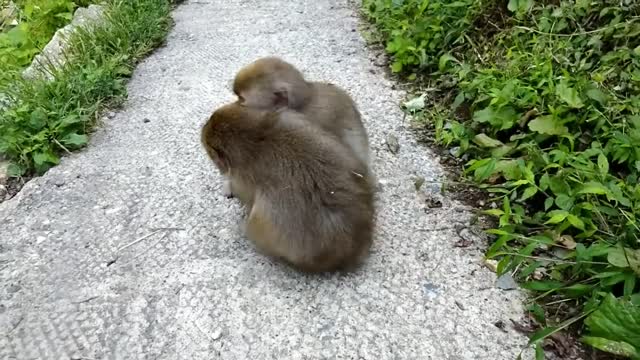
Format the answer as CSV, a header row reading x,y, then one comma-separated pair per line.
x,y
545,103
418,32
48,118
615,327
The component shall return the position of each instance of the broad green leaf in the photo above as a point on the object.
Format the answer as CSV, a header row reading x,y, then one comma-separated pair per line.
x,y
619,348
575,221
629,283
556,216
618,321
16,170
544,182
40,158
396,67
70,120
518,6
603,164
458,100
629,258
482,173
547,124
485,141
475,164
444,60
593,187
503,118
564,202
569,95
548,203
38,119
597,95
44,160
528,192
509,169
76,140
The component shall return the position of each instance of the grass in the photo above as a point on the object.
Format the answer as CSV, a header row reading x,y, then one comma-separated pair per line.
x,y
50,118
543,99
27,30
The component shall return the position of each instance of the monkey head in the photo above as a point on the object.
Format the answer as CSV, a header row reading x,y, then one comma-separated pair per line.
x,y
271,83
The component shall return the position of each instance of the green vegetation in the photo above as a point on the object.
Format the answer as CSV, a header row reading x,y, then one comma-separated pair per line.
x,y
47,118
543,98
36,22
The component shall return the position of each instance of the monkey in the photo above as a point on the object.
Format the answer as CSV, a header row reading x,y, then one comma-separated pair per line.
x,y
307,196
272,83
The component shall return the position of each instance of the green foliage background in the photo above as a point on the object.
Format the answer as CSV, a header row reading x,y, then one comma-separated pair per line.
x,y
543,97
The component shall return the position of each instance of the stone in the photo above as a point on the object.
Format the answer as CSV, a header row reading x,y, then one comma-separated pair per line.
x,y
53,54
392,143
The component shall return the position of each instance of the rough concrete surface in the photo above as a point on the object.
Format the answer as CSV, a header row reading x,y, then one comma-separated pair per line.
x,y
200,291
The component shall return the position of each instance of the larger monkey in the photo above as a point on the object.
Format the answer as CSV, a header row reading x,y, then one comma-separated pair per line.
x,y
309,200
271,83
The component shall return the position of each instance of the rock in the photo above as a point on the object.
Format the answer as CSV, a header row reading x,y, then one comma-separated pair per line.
x,y
466,234
8,15
53,54
432,203
59,182
466,238
381,61
418,182
13,288
491,264
506,282
4,172
3,192
392,143
382,183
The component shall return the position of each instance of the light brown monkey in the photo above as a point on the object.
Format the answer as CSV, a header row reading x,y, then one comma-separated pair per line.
x,y
271,83
308,197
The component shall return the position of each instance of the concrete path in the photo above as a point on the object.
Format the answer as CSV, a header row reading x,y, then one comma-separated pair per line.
x,y
71,288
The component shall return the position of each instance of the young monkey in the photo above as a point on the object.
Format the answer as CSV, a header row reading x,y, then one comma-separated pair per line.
x,y
271,83
308,198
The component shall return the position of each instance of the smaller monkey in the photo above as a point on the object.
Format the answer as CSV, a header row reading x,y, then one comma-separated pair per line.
x,y
307,194
271,83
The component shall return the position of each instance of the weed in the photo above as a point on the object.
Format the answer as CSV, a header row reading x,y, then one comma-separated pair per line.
x,y
547,108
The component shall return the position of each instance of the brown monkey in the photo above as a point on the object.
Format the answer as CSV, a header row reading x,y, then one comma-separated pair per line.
x,y
271,83
308,197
